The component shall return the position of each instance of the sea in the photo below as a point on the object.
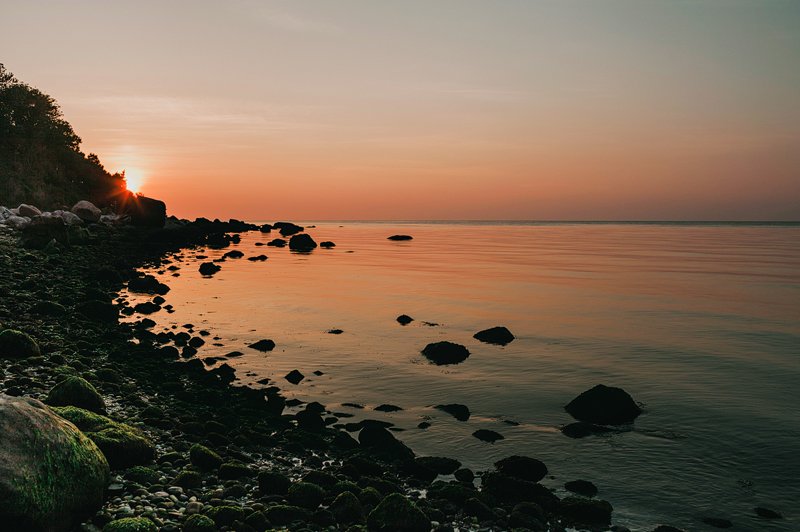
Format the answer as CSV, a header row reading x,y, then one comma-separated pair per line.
x,y
698,322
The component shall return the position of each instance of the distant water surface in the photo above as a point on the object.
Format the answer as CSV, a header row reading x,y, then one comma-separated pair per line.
x,y
699,322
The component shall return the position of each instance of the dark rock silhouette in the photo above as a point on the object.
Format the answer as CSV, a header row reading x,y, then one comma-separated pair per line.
x,y
581,512
147,284
209,268
403,319
489,436
717,522
263,345
460,412
302,242
86,211
287,228
257,258
398,238
65,473
17,344
604,405
495,335
233,254
144,211
265,228
522,467
581,429
294,377
327,244
277,242
766,513
388,408
397,513
76,391
441,353
581,487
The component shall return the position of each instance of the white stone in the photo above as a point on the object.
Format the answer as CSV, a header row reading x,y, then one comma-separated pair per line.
x,y
86,211
28,210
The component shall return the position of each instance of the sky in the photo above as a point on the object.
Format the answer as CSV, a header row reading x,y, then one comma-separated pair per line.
x,y
446,109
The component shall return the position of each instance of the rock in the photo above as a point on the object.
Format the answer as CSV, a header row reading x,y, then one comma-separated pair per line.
x,y
475,508
43,230
604,405
347,509
17,222
327,244
146,284
76,391
257,258
335,331
489,436
287,228
388,408
581,487
144,211
124,446
305,495
69,217
403,319
302,242
511,490
204,458
257,521
273,483
131,524
277,243
188,479
263,345
527,515
86,211
49,308
209,268
265,228
52,476
522,467
383,442
396,513
226,515
717,522
284,514
17,344
28,210
234,254
495,335
294,377
442,353
100,311
438,464
464,475
766,513
398,238
199,523
580,429
460,412
148,307
585,512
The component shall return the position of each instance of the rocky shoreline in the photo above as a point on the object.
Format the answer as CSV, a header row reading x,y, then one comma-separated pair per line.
x,y
188,450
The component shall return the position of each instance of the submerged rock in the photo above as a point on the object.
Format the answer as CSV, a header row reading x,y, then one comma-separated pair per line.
x,y
441,353
495,335
766,513
460,412
489,436
263,345
398,238
52,476
581,429
604,405
209,268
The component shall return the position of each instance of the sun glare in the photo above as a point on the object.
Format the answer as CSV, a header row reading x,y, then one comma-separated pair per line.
x,y
134,180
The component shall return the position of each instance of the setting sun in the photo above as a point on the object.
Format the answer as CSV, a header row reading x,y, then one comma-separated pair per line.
x,y
134,180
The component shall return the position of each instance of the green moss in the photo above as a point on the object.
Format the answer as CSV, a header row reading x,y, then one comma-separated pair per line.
x,y
233,471
199,523
204,458
306,495
17,344
188,479
131,524
347,509
76,391
142,475
83,419
397,513
226,515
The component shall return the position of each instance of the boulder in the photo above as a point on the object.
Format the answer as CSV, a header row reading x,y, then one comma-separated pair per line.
x,y
76,391
604,405
347,509
44,229
327,244
17,222
396,513
17,344
305,495
144,211
277,242
302,242
398,238
86,211
28,210
404,319
100,311
147,284
495,335
488,436
52,476
441,353
287,228
294,376
209,268
581,512
131,524
460,412
381,441
522,467
581,487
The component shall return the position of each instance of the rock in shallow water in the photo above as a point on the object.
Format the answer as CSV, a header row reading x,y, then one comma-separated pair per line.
x,y
460,412
403,319
263,345
398,238
209,268
604,405
522,467
302,242
294,376
495,335
51,475
441,353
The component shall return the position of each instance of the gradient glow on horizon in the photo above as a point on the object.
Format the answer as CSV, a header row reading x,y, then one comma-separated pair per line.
x,y
456,109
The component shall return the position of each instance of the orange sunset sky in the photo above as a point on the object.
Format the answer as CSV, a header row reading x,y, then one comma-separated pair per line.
x,y
616,109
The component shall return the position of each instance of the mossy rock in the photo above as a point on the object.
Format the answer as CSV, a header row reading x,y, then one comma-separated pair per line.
x,y
226,515
204,458
305,495
49,308
257,521
273,483
188,479
397,513
585,512
233,471
370,497
143,475
124,446
51,475
76,391
282,514
347,509
199,523
17,344
131,524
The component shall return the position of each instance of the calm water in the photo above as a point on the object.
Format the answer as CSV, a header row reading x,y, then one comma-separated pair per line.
x,y
700,323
